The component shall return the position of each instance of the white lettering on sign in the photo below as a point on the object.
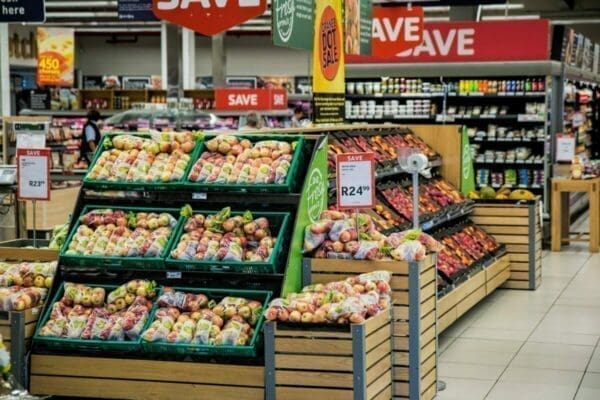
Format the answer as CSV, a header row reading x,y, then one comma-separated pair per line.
x,y
185,4
384,30
278,100
434,43
242,100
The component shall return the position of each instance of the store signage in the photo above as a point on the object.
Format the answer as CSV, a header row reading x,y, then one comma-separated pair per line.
x,y
328,63
355,177
467,175
565,147
22,11
358,26
33,174
472,41
56,56
136,10
396,29
293,23
30,135
208,17
250,99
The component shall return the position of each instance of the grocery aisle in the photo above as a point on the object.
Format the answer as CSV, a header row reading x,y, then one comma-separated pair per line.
x,y
530,345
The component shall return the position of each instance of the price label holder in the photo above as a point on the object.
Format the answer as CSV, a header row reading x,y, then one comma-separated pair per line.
x,y
173,274
355,176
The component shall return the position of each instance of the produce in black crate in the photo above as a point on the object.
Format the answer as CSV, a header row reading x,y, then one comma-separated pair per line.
x,y
163,157
196,319
231,160
348,301
87,313
223,237
107,232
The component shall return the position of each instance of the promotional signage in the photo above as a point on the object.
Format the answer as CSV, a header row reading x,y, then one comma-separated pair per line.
x,y
33,174
31,135
136,10
467,172
22,11
358,26
396,29
565,147
355,176
250,99
56,56
328,63
471,41
208,17
292,23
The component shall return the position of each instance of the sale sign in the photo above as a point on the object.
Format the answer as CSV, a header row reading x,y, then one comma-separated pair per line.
x,y
33,174
250,99
396,29
465,41
56,56
355,176
208,17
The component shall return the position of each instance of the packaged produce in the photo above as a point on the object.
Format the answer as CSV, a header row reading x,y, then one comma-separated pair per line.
x,y
27,274
16,298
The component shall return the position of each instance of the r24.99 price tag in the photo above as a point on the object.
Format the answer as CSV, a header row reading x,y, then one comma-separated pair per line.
x,y
355,177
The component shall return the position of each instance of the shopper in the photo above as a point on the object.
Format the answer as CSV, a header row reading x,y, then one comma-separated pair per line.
x,y
90,136
298,118
252,121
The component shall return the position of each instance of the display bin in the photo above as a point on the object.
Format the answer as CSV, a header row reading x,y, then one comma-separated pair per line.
x,y
112,262
17,328
143,379
414,313
291,180
306,361
88,345
477,285
278,222
104,184
188,349
517,225
16,250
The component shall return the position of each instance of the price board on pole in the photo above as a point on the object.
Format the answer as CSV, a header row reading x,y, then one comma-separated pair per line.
x,y
355,176
33,174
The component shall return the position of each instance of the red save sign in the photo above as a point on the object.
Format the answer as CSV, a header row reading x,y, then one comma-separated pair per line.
x,y
33,174
208,17
396,29
250,99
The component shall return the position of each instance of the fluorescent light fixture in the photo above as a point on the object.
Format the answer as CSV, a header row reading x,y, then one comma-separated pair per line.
x,y
436,19
86,4
82,14
502,7
436,9
509,17
575,21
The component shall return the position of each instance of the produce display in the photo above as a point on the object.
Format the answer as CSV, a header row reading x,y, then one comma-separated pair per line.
x,y
88,313
162,157
19,298
234,160
120,233
349,301
24,285
225,237
198,319
337,235
59,236
488,193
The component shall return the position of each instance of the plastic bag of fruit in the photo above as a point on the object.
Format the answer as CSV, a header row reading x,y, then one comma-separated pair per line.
x,y
202,334
187,302
411,250
368,250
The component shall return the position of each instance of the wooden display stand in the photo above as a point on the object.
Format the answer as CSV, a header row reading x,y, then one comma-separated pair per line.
x,y
17,328
14,250
337,362
53,212
516,225
414,316
466,295
560,211
115,378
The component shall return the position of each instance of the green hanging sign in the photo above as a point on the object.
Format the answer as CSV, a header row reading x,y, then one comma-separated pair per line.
x,y
293,23
312,202
467,173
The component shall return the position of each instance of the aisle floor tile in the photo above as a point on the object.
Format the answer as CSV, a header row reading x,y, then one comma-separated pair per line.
x,y
476,357
496,334
548,336
553,356
465,389
448,369
588,394
591,380
595,362
541,376
530,391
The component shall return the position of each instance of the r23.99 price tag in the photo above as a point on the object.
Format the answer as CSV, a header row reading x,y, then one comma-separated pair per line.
x,y
33,174
355,176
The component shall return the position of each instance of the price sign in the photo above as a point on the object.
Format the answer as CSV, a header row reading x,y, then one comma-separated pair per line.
x,y
565,147
355,175
31,135
33,174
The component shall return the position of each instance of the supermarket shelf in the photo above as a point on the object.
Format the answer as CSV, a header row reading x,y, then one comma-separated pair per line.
x,y
528,187
499,95
453,215
266,113
487,117
517,162
392,118
393,96
299,97
66,113
506,140
58,175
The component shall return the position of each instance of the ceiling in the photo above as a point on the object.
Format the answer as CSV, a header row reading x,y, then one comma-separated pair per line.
x,y
100,16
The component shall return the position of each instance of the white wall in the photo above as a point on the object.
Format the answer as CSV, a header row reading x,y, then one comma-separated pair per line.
x,y
247,55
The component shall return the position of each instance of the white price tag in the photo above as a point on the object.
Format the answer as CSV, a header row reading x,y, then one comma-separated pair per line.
x,y
355,180
33,174
31,135
565,147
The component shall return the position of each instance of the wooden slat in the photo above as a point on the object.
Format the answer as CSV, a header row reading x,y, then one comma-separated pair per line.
x,y
474,298
379,352
427,321
510,284
519,257
504,221
138,390
400,389
25,254
428,364
428,380
311,346
377,370
519,276
519,266
512,239
325,363
300,333
498,280
428,305
314,379
494,269
428,276
380,383
428,290
299,393
505,212
517,248
400,374
430,392
374,323
385,394
400,358
400,312
505,230
428,350
400,298
400,343
355,267
448,302
447,319
428,335
377,338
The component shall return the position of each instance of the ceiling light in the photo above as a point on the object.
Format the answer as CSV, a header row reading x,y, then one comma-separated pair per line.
x,y
509,17
502,7
575,21
436,19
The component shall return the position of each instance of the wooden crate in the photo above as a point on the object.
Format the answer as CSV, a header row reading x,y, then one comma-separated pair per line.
x,y
350,362
470,292
516,225
413,317
17,328
112,378
14,250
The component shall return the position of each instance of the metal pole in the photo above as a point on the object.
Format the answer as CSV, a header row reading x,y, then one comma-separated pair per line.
x,y
415,184
4,74
34,233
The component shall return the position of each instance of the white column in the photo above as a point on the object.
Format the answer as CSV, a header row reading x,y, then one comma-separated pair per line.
x,y
4,72
188,54
163,55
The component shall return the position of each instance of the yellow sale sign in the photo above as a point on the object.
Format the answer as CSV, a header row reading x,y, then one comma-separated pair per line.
x,y
56,56
328,49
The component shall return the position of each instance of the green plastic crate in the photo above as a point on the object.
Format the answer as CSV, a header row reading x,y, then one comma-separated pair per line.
x,y
111,262
187,349
277,220
290,182
91,345
103,184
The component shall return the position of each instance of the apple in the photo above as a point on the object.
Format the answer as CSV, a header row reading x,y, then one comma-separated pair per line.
x,y
307,317
295,316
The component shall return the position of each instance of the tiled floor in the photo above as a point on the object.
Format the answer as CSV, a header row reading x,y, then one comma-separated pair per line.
x,y
530,345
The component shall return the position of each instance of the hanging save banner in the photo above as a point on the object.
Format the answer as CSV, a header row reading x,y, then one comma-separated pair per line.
x,y
56,56
292,23
328,63
358,26
396,29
